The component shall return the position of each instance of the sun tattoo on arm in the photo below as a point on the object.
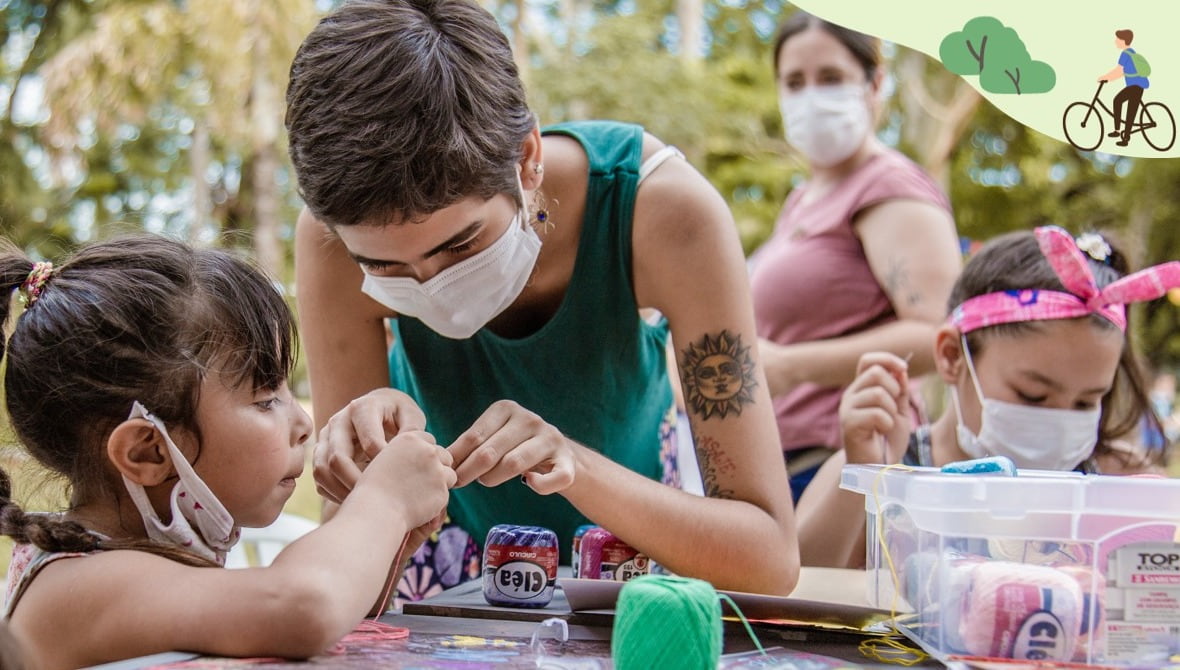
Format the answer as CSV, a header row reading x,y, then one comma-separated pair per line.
x,y
712,461
718,376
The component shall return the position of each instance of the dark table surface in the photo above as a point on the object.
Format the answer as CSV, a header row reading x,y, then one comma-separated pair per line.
x,y
459,629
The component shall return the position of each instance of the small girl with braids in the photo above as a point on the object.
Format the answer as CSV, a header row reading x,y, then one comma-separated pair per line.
x,y
153,378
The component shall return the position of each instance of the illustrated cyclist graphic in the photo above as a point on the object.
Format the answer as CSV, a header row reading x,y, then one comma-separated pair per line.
x,y
1084,122
1134,69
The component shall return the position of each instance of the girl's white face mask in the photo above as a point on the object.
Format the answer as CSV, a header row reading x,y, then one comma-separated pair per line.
x,y
200,523
827,123
1038,438
463,298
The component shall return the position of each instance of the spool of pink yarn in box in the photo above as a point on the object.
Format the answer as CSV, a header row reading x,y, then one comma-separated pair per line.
x,y
1021,611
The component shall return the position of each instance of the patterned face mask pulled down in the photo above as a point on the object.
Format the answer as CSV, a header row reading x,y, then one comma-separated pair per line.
x,y
200,523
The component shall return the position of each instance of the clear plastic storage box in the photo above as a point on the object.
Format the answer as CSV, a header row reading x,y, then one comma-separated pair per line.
x,y
1044,566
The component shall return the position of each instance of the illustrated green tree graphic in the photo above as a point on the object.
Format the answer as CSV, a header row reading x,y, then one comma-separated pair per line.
x,y
988,48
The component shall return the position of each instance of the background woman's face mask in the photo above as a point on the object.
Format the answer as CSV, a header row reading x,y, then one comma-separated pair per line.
x,y
827,123
463,298
1039,438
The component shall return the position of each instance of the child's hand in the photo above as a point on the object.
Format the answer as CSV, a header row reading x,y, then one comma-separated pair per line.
x,y
417,473
421,534
874,408
356,434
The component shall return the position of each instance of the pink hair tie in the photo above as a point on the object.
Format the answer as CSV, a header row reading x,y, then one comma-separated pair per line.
x,y
1081,298
35,282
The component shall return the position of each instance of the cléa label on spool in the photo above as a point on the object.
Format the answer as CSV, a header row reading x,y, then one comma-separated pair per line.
x,y
629,568
520,566
1027,612
604,556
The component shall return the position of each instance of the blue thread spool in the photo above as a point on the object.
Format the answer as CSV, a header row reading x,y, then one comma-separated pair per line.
x,y
519,566
664,622
991,465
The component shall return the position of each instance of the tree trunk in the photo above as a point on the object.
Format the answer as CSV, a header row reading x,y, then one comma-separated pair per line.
x,y
690,16
1133,244
198,160
520,43
264,119
568,10
937,105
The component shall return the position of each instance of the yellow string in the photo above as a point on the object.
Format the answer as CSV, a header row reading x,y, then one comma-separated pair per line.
x,y
893,650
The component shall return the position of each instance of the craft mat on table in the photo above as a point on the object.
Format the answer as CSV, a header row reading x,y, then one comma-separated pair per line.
x,y
459,629
832,603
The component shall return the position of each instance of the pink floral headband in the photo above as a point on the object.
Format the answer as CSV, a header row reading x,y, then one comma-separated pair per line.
x,y
1083,297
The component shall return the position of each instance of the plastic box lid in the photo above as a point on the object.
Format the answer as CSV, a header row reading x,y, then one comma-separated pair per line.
x,y
1037,503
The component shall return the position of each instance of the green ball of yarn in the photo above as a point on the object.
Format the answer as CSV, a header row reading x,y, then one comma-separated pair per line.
x,y
663,621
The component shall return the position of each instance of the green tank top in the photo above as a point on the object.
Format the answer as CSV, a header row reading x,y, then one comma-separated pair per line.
x,y
596,371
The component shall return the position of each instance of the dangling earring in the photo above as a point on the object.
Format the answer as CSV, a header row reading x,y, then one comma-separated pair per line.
x,y
541,205
541,213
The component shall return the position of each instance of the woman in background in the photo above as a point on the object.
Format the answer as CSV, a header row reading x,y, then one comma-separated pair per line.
x,y
864,253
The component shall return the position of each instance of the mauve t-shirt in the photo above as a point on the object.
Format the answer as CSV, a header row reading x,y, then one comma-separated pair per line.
x,y
811,281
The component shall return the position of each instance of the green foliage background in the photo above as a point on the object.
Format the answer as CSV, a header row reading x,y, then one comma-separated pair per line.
x,y
153,107
140,92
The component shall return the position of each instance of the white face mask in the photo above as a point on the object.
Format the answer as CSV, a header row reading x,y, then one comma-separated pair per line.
x,y
463,298
200,523
827,123
1037,438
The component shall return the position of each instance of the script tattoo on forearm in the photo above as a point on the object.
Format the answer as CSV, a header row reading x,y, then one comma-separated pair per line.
x,y
713,462
718,376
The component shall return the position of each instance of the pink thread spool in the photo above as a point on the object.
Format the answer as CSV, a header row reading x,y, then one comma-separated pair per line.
x,y
1015,610
604,556
931,578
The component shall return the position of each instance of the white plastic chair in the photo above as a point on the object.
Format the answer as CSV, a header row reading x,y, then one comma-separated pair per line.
x,y
259,546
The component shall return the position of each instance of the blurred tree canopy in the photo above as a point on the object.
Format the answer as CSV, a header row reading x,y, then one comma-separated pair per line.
x,y
154,114
167,115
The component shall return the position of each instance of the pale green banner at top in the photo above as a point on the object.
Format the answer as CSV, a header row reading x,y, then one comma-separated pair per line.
x,y
1034,59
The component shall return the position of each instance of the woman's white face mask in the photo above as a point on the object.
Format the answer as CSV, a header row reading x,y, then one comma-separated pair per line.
x,y
827,123
1038,438
463,298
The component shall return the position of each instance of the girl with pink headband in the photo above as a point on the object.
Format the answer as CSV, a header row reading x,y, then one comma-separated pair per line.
x,y
1038,368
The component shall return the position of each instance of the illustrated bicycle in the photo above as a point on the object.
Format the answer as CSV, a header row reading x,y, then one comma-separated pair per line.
x,y
1085,130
